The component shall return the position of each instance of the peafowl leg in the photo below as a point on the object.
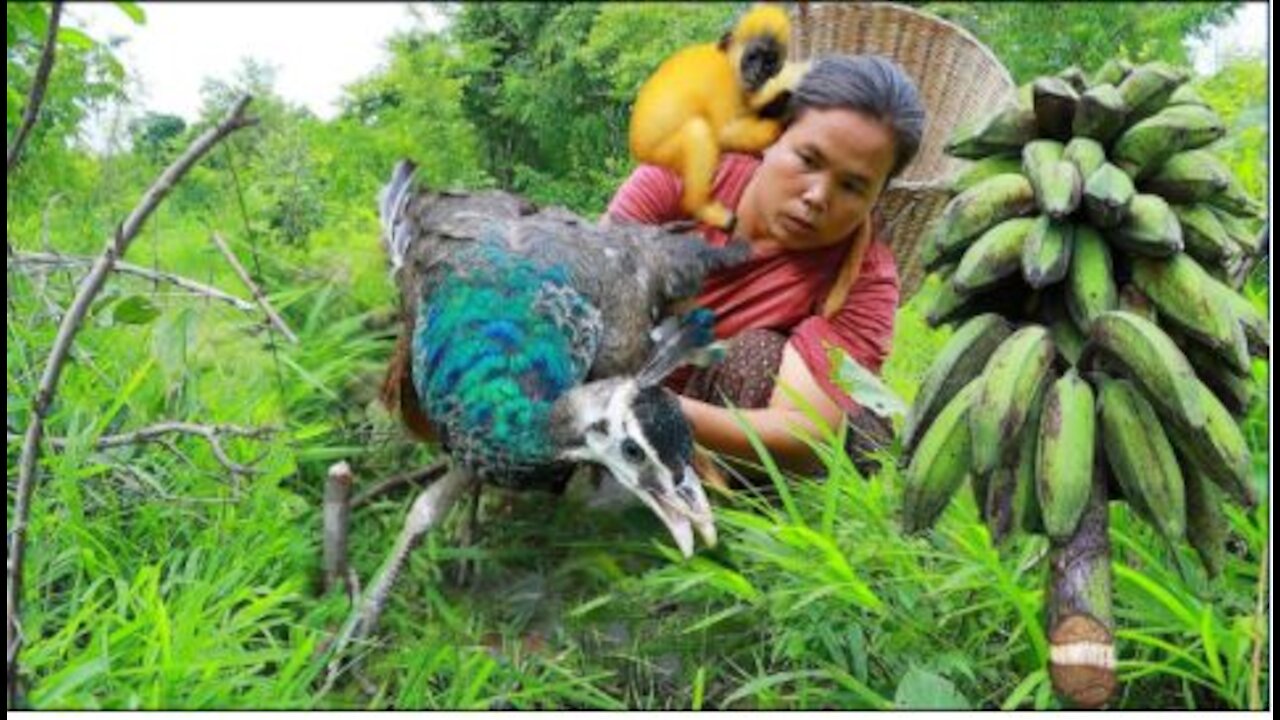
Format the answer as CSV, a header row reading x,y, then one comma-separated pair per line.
x,y
428,510
467,567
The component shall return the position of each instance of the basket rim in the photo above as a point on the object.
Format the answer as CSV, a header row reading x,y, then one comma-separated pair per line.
x,y
803,7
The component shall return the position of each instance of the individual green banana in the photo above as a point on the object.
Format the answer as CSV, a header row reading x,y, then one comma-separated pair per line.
x,y
1152,360
1151,229
1075,78
995,255
1240,230
961,360
1055,182
1132,300
1091,284
1257,330
1064,454
1112,72
1181,291
946,299
1046,252
1203,235
1235,390
1188,177
939,464
1187,95
1236,200
1099,114
1147,89
1006,130
1141,457
1026,503
1108,191
975,211
997,503
1086,153
1207,525
1217,447
1053,100
985,168
1147,144
1067,338
1007,386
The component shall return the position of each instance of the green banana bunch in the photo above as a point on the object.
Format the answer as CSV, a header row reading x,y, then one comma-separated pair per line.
x,y
1121,352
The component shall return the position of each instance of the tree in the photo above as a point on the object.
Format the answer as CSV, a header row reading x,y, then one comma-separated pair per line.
x,y
1085,33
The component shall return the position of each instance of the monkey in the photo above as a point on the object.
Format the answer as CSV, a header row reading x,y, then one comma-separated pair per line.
x,y
712,97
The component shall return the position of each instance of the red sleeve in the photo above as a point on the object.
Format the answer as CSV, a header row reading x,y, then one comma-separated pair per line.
x,y
650,196
863,327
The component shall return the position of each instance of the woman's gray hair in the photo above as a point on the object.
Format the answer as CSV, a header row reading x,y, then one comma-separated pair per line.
x,y
870,84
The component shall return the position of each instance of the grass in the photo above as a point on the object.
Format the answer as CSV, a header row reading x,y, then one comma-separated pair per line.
x,y
157,581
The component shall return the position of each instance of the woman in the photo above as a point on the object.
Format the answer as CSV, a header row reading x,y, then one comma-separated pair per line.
x,y
819,277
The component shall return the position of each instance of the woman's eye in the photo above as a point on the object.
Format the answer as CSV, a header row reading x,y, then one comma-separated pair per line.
x,y
808,160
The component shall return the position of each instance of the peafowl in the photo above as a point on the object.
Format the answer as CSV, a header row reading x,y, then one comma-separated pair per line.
x,y
536,341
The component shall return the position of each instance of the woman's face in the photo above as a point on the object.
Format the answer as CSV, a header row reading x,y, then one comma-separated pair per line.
x,y
819,180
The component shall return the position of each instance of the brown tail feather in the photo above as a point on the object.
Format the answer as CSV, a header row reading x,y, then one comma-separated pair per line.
x,y
399,396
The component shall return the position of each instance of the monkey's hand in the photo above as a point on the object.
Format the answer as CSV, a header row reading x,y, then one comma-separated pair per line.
x,y
781,84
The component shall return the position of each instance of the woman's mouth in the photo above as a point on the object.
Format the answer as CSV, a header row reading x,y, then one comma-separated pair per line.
x,y
797,225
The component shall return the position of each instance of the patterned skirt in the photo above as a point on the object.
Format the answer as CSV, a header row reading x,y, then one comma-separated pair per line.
x,y
745,378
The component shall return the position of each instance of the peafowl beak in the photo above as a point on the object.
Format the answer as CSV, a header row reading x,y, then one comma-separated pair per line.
x,y
684,510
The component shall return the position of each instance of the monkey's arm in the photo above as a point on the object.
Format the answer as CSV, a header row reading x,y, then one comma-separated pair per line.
x,y
749,134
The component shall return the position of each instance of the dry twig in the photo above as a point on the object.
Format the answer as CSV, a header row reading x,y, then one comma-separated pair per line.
x,y
253,288
155,433
417,477
58,260
37,91
67,329
337,522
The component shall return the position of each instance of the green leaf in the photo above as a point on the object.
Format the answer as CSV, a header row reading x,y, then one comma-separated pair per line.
x,y
923,690
74,38
135,310
865,388
135,13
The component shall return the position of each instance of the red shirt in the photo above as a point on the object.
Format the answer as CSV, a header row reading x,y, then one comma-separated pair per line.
x,y
779,289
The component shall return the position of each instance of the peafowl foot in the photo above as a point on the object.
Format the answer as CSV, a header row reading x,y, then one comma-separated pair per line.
x,y
428,510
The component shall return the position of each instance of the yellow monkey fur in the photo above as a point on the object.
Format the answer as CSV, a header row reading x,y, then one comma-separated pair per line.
x,y
708,98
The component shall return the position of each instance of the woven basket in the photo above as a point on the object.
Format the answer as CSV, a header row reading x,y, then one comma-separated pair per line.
x,y
958,78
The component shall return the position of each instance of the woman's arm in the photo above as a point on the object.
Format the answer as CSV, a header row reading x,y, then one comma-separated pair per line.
x,y
777,425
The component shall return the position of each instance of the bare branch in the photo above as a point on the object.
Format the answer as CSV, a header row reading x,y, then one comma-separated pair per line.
x,y
89,288
155,433
58,260
253,288
37,90
417,477
337,521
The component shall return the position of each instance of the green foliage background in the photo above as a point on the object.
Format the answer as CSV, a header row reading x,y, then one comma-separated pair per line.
x,y
155,579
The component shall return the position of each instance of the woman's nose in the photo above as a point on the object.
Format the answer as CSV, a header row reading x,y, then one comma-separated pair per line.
x,y
815,196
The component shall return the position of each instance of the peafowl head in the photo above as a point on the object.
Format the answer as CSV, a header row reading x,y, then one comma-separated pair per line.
x,y
635,429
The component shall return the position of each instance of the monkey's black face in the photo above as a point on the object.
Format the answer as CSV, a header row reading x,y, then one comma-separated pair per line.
x,y
761,60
